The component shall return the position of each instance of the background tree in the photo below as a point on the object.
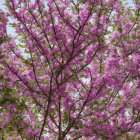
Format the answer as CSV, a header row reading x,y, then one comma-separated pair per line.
x,y
80,77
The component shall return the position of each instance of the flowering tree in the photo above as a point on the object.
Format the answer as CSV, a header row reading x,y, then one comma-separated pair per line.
x,y
79,74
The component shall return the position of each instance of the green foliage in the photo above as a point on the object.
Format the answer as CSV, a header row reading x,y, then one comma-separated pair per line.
x,y
21,46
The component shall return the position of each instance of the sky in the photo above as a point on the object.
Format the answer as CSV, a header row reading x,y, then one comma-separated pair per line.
x,y
10,30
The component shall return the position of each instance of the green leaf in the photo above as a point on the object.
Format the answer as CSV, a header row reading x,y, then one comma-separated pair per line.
x,y
21,46
10,23
95,102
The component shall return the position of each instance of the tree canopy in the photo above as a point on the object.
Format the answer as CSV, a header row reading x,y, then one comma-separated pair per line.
x,y
72,72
